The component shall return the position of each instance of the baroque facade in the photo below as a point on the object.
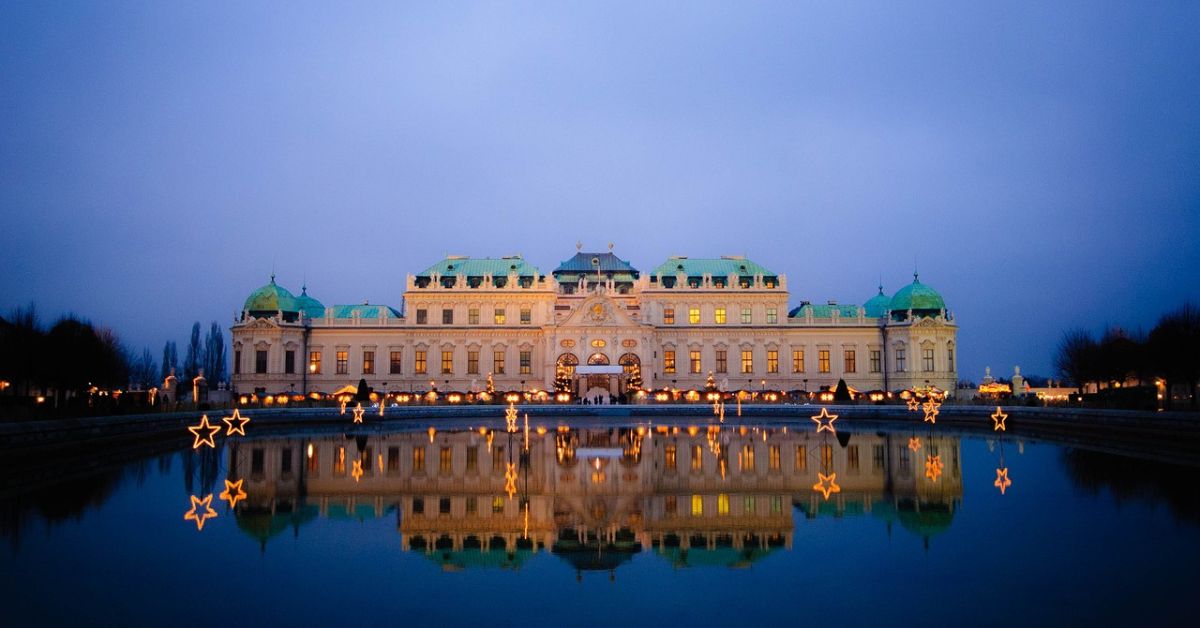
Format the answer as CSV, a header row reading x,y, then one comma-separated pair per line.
x,y
465,319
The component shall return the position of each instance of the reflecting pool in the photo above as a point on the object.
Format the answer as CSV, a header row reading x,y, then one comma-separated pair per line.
x,y
601,524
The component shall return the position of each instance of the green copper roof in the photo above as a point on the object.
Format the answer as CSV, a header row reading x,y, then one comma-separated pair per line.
x,y
878,304
824,311
364,311
916,296
721,267
270,298
480,266
311,307
605,262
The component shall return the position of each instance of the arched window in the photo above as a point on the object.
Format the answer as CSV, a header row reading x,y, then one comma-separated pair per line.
x,y
569,361
598,359
628,361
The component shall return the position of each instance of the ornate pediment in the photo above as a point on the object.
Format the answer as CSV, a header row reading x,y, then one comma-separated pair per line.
x,y
599,311
264,323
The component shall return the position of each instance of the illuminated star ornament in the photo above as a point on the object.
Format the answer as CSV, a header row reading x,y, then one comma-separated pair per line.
x,y
194,514
914,443
933,467
343,408
510,479
240,420
913,404
1002,482
510,417
204,426
998,420
931,410
233,492
358,413
826,484
825,421
357,470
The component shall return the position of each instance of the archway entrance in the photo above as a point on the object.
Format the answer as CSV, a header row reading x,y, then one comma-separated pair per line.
x,y
598,383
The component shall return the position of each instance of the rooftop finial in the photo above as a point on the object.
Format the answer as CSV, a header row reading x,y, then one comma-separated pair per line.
x,y
579,245
610,246
916,277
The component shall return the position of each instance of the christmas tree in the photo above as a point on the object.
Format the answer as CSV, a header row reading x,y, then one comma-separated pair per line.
x,y
562,379
634,383
710,385
491,387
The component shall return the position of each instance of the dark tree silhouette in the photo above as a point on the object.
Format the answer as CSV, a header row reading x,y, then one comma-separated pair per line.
x,y
214,354
842,392
194,360
1174,350
1077,357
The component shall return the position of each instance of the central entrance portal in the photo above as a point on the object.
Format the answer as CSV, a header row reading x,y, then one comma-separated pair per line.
x,y
600,377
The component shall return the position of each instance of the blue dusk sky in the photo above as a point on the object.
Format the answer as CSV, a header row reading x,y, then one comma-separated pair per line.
x,y
1037,162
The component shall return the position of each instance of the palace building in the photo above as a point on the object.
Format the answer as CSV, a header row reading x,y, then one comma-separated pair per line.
x,y
466,319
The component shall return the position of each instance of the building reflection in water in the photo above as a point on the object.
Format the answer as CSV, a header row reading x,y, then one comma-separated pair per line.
x,y
595,497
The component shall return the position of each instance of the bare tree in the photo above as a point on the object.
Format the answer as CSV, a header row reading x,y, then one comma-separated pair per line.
x,y
1174,349
1076,357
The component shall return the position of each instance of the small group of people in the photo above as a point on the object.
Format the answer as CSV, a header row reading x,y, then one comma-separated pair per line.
x,y
602,399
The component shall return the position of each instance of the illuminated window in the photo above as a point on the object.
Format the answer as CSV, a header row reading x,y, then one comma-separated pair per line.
x,y
289,361
694,361
722,504
314,362
749,505
339,462
498,361
447,362
823,360
772,316
473,459
418,460
827,456
313,465
394,362
526,316
599,343
669,457
747,361
422,316
343,362
877,457
526,362
697,458
445,460
850,361
927,359
722,361
801,458
772,361
472,363
447,316
499,316
368,363
876,361
776,504
669,361
393,459
773,458
694,315
746,459
497,505
419,362
697,505
900,361
473,316
746,317
798,361
260,361
852,457
668,316
719,316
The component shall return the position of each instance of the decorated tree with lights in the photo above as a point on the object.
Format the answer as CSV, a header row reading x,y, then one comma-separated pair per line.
x,y
491,386
710,384
562,379
634,383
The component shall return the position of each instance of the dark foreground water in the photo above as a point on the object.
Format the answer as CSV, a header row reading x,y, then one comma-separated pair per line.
x,y
602,525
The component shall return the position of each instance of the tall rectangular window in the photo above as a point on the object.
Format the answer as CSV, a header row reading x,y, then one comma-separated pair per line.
x,y
498,316
746,458
472,363
772,361
314,462
447,316
445,460
419,362
526,315
668,316
393,459
526,362
719,316
823,361
722,361
498,362
950,359
257,460
798,361
418,460
368,363
773,458
669,361
343,362
693,361
473,459
697,458
289,361
747,361
852,457
927,359
473,316
394,362
422,316
314,361
694,315
850,360
722,504
237,361
801,458
901,361
772,316
697,505
260,361
876,360
746,317
447,362
669,457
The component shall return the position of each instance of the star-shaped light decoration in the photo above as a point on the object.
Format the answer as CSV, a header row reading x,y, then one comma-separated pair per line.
x,y
510,417
510,479
933,467
913,404
233,492
194,514
204,426
356,471
914,443
358,413
931,410
343,412
998,420
237,418
825,421
1002,482
382,405
826,485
